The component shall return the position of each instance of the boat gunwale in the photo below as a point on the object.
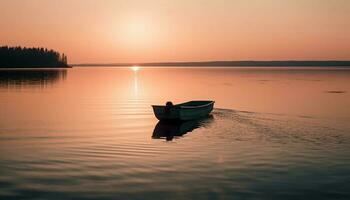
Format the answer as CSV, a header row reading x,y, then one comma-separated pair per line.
x,y
200,106
181,106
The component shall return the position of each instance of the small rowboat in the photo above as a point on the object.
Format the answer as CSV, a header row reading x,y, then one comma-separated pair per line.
x,y
185,111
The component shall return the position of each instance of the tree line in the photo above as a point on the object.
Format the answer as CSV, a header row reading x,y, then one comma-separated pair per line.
x,y
21,57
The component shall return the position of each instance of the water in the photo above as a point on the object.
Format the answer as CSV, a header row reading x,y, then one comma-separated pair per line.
x,y
89,133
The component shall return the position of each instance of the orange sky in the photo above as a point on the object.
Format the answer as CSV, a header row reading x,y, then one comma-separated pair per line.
x,y
180,30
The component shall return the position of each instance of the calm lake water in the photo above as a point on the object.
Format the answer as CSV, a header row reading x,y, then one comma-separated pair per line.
x,y
90,133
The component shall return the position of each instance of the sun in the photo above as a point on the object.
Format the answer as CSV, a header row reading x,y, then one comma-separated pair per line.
x,y
135,68
135,32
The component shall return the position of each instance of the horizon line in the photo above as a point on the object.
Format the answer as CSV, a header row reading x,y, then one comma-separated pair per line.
x,y
226,63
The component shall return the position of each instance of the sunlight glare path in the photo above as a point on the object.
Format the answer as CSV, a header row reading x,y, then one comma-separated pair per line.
x,y
135,68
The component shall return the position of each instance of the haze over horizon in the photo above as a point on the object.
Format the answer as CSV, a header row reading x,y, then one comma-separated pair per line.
x,y
117,31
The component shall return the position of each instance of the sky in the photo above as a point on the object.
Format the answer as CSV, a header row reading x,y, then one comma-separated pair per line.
x,y
104,31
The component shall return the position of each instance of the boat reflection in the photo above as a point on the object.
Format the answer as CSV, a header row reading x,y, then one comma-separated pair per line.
x,y
30,77
169,130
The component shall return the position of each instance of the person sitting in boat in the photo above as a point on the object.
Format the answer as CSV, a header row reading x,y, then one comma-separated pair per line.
x,y
168,106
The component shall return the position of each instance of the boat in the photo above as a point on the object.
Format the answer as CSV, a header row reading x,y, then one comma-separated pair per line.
x,y
185,111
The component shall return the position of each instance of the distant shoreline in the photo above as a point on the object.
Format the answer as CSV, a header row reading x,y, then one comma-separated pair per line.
x,y
329,63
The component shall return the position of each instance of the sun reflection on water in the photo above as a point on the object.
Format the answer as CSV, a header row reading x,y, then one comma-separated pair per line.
x,y
135,84
135,69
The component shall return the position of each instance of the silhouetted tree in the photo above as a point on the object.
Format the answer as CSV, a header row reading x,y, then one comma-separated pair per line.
x,y
31,57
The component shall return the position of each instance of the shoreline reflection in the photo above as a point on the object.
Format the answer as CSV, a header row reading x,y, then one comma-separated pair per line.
x,y
170,130
31,77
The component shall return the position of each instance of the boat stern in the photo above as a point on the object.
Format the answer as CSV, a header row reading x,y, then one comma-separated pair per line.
x,y
164,113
